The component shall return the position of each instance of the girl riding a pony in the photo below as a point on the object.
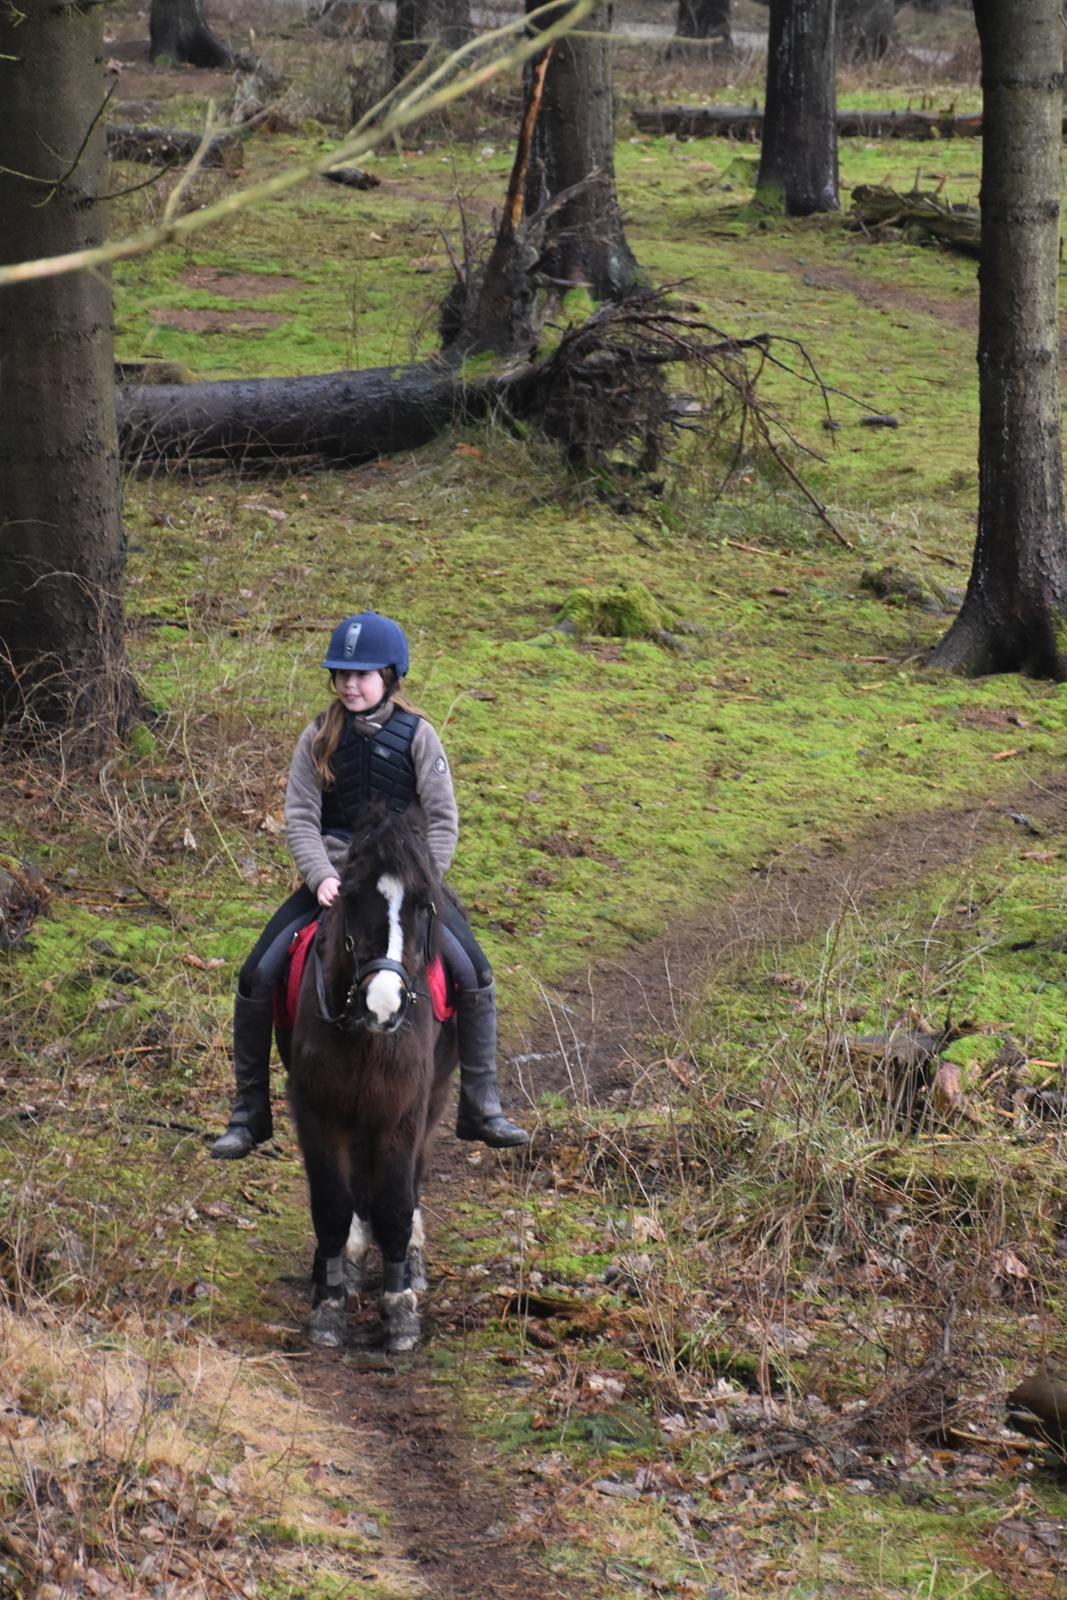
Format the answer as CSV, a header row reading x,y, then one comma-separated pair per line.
x,y
368,748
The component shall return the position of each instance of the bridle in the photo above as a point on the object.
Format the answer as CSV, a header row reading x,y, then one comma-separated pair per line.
x,y
351,1016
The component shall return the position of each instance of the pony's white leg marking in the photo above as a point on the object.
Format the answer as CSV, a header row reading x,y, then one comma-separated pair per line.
x,y
417,1253
359,1241
384,989
356,1250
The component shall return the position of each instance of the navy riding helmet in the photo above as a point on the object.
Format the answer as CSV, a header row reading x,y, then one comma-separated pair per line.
x,y
367,643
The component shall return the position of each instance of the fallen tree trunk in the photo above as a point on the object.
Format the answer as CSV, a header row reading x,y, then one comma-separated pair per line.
x,y
728,122
599,392
340,416
172,147
601,395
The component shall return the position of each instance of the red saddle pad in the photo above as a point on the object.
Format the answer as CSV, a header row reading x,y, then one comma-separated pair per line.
x,y
287,989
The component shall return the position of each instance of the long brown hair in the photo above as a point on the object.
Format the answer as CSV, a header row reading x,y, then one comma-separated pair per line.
x,y
332,726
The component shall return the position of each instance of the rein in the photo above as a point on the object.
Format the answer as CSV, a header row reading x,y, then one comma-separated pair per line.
x,y
348,1018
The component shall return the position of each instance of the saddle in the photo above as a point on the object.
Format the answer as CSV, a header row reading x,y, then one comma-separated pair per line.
x,y
442,989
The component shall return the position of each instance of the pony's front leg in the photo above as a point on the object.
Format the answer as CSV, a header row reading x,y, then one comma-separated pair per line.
x,y
331,1214
392,1211
325,1323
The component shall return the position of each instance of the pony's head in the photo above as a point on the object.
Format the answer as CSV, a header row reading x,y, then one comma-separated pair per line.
x,y
386,913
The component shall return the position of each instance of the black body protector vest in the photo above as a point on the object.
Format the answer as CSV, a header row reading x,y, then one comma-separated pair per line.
x,y
378,765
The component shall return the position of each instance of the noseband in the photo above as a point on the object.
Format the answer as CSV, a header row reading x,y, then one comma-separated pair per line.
x,y
350,1018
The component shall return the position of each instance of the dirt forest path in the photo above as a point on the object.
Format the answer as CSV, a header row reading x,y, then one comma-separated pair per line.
x,y
458,1526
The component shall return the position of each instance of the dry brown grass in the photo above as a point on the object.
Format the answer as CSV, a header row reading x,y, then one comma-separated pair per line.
x,y
128,1453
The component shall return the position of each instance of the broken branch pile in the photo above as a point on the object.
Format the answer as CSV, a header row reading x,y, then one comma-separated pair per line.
x,y
960,226
173,147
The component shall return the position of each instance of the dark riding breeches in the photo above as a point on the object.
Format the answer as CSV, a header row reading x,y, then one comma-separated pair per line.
x,y
264,966
466,960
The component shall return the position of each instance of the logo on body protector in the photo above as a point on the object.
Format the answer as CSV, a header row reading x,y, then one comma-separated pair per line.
x,y
352,639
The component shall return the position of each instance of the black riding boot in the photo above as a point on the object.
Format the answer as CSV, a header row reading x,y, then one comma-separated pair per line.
x,y
480,1114
250,1119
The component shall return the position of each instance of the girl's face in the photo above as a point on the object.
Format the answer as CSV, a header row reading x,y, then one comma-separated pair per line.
x,y
359,691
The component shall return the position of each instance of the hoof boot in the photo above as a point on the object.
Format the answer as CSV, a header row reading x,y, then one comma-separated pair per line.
x,y
403,1325
326,1324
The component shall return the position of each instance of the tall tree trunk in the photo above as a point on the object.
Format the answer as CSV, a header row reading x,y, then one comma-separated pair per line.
x,y
493,309
865,28
575,139
178,31
798,157
1015,612
62,547
703,19
420,24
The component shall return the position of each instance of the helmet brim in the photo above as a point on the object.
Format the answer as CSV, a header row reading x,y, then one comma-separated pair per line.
x,y
359,666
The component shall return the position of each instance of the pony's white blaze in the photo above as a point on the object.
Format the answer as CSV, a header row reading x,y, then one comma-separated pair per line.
x,y
384,991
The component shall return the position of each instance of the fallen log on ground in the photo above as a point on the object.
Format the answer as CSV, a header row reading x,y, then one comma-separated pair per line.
x,y
731,122
600,395
599,392
874,206
353,178
341,416
173,147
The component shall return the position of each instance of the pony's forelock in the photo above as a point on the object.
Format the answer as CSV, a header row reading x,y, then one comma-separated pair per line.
x,y
387,842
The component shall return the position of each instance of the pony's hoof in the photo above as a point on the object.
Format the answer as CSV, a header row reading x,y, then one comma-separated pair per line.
x,y
326,1324
400,1313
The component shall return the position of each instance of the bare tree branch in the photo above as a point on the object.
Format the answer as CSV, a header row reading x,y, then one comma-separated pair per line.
x,y
423,100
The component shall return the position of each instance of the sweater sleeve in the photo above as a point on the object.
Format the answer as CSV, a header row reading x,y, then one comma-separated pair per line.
x,y
437,798
303,815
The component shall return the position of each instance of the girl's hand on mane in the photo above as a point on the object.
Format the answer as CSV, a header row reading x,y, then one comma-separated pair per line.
x,y
327,891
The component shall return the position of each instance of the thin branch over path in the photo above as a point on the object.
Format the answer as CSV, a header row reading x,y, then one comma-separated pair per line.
x,y
431,94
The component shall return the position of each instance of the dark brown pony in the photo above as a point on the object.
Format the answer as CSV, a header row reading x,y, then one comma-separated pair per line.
x,y
368,1069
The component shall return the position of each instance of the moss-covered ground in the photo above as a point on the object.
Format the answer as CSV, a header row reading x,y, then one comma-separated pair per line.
x,y
759,1223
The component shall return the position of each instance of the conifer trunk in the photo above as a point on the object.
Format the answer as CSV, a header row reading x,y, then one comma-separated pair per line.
x,y
1015,608
178,32
574,138
798,158
419,24
703,19
62,547
865,28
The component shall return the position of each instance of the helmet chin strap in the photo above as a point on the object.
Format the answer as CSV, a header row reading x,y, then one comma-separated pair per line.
x,y
386,697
